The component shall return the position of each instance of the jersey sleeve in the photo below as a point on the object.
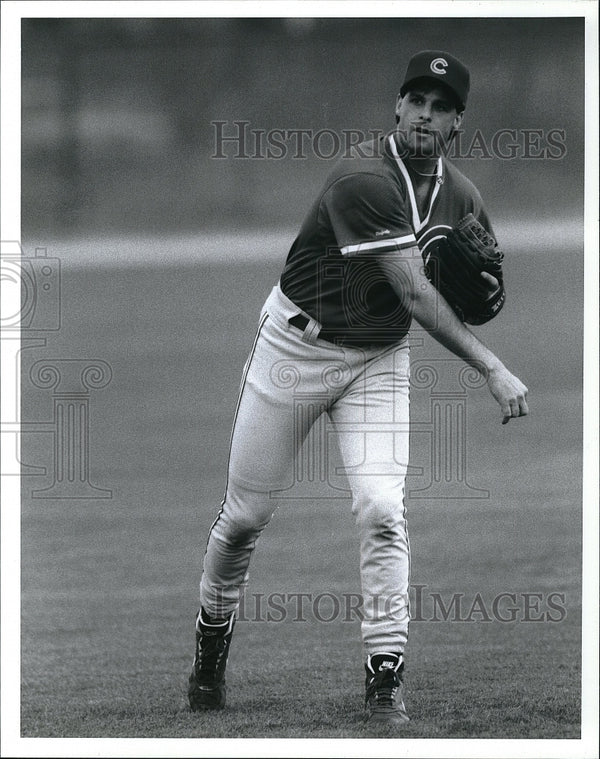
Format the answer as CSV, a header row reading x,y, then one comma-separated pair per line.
x,y
367,214
480,213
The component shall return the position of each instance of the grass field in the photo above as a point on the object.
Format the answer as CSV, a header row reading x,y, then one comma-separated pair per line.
x,y
109,586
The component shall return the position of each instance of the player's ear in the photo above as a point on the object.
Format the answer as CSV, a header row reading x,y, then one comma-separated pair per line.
x,y
398,104
455,126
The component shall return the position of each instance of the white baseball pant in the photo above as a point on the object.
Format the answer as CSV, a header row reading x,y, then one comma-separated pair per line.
x,y
366,394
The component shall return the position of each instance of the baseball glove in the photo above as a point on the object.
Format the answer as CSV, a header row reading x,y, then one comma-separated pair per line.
x,y
454,267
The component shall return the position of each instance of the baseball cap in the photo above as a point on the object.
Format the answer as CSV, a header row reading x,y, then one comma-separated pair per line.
x,y
443,68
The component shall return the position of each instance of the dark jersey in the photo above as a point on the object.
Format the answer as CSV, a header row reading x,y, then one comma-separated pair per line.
x,y
368,207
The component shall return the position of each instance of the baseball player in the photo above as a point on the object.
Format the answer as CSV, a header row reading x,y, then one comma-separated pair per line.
x,y
335,327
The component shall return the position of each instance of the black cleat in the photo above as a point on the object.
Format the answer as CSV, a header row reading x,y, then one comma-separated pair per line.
x,y
207,689
383,702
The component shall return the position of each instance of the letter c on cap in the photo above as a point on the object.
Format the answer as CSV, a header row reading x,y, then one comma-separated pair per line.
x,y
438,65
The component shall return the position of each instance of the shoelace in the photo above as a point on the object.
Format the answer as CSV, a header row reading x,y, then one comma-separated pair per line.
x,y
386,695
211,658
384,692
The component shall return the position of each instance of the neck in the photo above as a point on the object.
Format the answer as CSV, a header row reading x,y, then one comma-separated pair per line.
x,y
423,167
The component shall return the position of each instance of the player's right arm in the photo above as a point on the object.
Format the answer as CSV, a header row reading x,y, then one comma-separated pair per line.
x,y
405,272
369,216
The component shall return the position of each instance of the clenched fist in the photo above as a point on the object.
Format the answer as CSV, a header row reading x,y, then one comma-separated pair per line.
x,y
509,391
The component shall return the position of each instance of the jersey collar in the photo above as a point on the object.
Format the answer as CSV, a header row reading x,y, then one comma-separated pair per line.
x,y
416,221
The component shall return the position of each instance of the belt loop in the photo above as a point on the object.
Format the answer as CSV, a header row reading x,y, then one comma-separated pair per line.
x,y
311,332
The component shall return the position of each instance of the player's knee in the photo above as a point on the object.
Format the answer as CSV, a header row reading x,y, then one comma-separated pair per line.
x,y
379,509
243,518
242,536
238,532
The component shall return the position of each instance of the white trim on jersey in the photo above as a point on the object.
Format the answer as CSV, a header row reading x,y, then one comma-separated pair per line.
x,y
424,248
432,239
432,229
390,243
417,223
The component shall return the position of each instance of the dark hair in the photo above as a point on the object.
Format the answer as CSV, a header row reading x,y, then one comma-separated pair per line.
x,y
426,84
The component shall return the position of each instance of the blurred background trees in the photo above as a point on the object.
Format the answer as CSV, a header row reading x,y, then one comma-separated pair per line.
x,y
118,114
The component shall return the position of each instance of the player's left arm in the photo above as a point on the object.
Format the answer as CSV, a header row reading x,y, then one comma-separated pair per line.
x,y
404,271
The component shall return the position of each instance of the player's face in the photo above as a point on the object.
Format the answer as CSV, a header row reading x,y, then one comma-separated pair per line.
x,y
426,120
